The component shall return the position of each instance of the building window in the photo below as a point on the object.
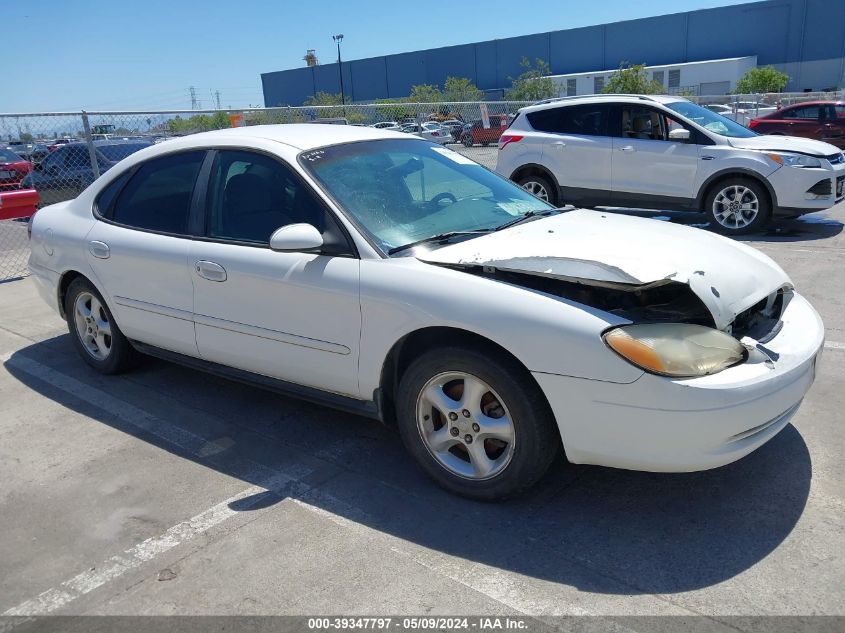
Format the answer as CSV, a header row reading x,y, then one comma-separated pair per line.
x,y
598,84
658,76
674,79
570,88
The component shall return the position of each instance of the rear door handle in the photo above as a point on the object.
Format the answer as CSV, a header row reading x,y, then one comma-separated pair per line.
x,y
559,144
627,148
210,270
99,249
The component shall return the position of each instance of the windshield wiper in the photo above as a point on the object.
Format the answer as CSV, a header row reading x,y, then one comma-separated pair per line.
x,y
434,238
525,216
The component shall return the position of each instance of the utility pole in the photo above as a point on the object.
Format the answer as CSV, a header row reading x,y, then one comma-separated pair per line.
x,y
338,39
193,92
217,97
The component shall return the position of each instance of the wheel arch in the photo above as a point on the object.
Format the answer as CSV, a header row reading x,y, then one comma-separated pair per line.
x,y
741,172
403,352
65,280
534,168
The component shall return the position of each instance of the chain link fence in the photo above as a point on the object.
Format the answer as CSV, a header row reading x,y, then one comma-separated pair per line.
x,y
59,154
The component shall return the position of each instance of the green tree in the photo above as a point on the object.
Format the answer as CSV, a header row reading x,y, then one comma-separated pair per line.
x,y
533,84
425,93
461,89
26,137
323,99
632,80
762,79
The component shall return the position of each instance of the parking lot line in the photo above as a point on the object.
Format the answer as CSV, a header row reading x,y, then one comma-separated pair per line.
x,y
116,566
833,345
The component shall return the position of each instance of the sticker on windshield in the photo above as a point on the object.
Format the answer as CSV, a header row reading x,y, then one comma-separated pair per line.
x,y
458,158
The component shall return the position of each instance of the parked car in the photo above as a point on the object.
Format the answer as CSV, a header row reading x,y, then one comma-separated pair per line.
x,y
667,153
822,120
724,110
428,133
454,127
439,133
13,168
475,133
388,276
387,125
33,152
53,145
67,171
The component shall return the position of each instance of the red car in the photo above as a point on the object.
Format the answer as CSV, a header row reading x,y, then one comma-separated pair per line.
x,y
12,169
475,132
821,120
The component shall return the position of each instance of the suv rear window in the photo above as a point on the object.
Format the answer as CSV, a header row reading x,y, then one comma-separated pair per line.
x,y
583,120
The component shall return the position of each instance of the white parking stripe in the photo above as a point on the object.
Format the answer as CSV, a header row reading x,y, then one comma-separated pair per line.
x,y
116,566
833,345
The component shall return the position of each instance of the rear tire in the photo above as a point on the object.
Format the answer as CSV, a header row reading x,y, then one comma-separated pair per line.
x,y
94,332
476,422
539,186
467,141
738,206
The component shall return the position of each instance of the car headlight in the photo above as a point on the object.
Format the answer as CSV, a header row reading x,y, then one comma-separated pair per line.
x,y
680,350
794,160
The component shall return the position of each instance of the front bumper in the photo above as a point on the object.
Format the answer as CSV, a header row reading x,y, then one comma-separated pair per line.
x,y
792,186
682,425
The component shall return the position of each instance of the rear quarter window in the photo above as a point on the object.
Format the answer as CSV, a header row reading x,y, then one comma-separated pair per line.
x,y
580,120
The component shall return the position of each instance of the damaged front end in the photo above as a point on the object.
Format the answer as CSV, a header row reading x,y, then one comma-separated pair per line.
x,y
661,301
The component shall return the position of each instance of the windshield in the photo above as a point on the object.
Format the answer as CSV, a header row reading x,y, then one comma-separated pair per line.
x,y
118,152
403,191
716,123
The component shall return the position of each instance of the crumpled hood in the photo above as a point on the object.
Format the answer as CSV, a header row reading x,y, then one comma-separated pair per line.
x,y
785,144
608,249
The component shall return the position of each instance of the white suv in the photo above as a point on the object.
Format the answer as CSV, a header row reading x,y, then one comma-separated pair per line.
x,y
664,152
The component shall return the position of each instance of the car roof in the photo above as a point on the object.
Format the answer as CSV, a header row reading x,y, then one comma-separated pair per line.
x,y
302,136
601,98
811,103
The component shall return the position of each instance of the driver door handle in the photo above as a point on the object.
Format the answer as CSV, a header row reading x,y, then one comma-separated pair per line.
x,y
626,148
210,270
559,144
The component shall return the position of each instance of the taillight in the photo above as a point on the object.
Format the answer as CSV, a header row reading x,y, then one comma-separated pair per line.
x,y
752,124
505,139
435,133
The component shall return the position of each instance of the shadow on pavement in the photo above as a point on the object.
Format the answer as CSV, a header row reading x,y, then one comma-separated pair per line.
x,y
813,226
597,529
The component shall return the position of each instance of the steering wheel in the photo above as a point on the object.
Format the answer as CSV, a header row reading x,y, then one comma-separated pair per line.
x,y
440,197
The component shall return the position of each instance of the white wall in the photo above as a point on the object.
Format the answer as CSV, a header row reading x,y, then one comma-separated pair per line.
x,y
692,75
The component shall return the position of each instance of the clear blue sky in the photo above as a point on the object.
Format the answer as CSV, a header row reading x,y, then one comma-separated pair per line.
x,y
115,54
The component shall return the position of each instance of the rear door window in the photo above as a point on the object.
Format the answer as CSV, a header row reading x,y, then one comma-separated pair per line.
x,y
579,120
804,112
158,196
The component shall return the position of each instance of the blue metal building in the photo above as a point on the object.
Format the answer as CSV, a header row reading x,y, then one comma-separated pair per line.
x,y
804,38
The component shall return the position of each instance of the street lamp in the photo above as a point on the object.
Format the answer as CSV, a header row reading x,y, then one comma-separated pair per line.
x,y
338,39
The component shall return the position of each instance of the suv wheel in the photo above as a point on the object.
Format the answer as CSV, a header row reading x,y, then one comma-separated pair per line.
x,y
737,206
476,422
467,140
540,187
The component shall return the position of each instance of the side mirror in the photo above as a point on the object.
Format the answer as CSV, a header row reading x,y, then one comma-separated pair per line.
x,y
296,237
679,134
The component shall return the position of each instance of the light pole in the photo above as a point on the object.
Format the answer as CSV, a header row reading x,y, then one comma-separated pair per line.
x,y
338,39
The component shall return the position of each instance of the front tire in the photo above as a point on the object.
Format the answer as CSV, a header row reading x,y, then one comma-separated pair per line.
x,y
476,422
93,330
738,206
539,186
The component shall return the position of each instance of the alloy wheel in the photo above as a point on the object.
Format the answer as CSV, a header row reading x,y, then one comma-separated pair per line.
x,y
92,325
735,207
537,189
465,425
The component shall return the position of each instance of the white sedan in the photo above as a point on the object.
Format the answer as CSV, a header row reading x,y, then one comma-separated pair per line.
x,y
385,275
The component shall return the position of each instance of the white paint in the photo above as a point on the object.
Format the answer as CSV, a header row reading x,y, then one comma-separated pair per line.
x,y
833,345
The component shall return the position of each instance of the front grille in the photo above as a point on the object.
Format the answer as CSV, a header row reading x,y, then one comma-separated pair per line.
x,y
840,186
821,188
